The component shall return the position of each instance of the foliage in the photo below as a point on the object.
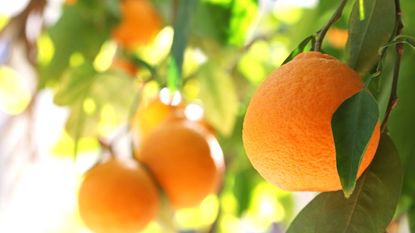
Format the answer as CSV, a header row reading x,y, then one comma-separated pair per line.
x,y
216,53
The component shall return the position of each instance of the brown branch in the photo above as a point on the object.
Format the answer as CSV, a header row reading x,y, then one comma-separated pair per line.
x,y
393,99
322,33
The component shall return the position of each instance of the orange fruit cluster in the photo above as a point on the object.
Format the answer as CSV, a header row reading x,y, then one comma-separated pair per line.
x,y
139,24
181,156
287,128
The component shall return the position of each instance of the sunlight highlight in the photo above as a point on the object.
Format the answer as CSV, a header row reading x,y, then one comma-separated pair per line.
x,y
194,112
14,91
170,98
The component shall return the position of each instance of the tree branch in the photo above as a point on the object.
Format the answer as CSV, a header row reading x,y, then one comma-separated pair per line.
x,y
393,99
337,14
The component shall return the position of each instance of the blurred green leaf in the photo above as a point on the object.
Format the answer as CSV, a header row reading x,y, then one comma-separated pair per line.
x,y
368,210
82,28
74,84
181,30
245,182
244,13
371,26
217,27
352,125
411,218
93,97
218,94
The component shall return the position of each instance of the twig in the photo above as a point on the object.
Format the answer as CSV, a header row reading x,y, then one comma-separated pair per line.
x,y
393,99
106,146
337,14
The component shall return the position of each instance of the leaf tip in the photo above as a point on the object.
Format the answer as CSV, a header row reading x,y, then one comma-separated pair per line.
x,y
348,190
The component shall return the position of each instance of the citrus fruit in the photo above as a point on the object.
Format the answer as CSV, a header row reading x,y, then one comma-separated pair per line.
x,y
150,116
337,37
117,197
139,23
185,159
287,128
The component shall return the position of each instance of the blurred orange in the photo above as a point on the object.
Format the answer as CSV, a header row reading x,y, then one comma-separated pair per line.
x,y
139,24
337,37
185,159
150,116
117,197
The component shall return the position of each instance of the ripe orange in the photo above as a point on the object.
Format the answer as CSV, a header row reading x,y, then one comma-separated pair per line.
x,y
117,198
139,24
337,37
287,128
185,159
150,116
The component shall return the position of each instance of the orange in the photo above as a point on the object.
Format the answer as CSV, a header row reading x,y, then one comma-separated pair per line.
x,y
337,37
150,116
185,159
287,128
139,24
116,197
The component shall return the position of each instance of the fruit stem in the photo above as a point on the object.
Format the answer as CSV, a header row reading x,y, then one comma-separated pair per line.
x,y
393,98
182,23
337,14
106,146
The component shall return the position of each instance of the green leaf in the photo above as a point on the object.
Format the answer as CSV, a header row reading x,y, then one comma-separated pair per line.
x,y
411,218
401,124
218,94
300,48
352,125
95,99
243,188
82,29
181,31
371,26
244,13
74,84
380,86
216,28
368,210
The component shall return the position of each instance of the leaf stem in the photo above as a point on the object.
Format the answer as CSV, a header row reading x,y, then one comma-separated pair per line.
x,y
393,99
337,14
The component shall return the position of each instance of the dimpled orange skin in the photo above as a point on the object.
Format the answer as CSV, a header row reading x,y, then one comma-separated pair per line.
x,y
287,128
115,198
182,158
139,24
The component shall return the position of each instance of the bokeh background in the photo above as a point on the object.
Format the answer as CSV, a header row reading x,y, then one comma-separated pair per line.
x,y
52,109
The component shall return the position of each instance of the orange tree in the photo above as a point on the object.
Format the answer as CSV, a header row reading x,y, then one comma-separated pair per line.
x,y
306,98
